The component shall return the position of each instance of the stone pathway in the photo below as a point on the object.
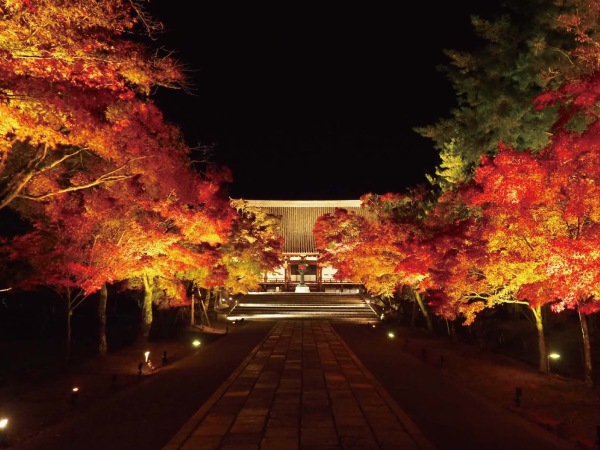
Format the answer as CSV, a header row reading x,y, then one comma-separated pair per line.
x,y
300,389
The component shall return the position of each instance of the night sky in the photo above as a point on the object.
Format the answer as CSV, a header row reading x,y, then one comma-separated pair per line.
x,y
310,102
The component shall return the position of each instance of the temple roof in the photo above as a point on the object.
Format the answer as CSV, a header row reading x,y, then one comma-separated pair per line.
x,y
298,218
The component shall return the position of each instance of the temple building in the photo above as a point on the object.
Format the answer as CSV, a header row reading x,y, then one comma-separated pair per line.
x,y
302,270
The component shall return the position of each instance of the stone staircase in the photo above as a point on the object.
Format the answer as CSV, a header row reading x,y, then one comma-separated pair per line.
x,y
291,305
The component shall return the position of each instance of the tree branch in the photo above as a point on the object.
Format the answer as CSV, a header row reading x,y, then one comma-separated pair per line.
x,y
100,180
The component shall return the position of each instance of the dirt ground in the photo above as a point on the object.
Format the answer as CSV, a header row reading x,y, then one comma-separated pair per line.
x,y
565,406
562,405
36,400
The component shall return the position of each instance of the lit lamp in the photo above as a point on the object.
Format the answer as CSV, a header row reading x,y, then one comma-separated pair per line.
x,y
147,354
552,355
196,343
3,427
74,394
391,335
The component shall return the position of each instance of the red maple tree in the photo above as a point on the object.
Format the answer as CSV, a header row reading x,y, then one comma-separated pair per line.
x,y
74,90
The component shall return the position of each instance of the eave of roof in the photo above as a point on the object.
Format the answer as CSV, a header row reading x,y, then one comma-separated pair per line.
x,y
306,203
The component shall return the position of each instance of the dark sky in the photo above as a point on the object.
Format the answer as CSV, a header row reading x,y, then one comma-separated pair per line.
x,y
309,102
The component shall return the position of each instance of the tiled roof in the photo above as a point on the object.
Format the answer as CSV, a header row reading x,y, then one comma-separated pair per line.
x,y
298,218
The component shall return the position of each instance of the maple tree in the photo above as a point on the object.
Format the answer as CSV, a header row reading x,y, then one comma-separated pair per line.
x,y
377,250
171,238
569,201
336,236
402,216
353,245
507,189
76,116
75,80
537,213
461,263
253,247
148,230
574,161
539,221
46,256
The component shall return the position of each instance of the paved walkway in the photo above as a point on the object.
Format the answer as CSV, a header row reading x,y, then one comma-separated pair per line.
x,y
301,388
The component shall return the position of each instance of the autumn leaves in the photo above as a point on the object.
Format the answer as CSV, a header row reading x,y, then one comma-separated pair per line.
x,y
111,191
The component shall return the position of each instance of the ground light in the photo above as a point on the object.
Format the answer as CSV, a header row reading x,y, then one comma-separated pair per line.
x,y
3,428
391,335
146,362
554,356
196,343
74,394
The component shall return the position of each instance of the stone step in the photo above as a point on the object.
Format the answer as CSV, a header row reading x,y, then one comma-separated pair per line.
x,y
294,301
302,298
335,307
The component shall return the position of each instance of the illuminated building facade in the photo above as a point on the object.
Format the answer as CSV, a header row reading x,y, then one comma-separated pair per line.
x,y
298,218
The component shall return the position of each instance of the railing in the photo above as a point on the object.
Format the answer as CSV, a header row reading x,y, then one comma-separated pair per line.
x,y
274,280
312,279
281,284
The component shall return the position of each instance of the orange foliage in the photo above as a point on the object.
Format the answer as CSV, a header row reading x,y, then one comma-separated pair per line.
x,y
379,251
73,88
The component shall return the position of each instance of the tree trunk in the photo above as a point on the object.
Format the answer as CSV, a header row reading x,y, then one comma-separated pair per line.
x,y
66,295
451,331
102,345
419,300
539,325
68,337
479,334
147,307
587,354
413,313
192,312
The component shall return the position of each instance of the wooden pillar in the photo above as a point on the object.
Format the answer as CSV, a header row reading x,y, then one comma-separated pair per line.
x,y
319,277
286,276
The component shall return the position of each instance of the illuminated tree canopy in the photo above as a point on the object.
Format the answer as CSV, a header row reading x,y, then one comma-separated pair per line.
x,y
74,89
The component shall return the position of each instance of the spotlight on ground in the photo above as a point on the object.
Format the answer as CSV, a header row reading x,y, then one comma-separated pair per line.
x,y
3,434
74,395
552,356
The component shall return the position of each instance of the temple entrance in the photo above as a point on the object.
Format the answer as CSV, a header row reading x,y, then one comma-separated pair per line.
x,y
302,261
